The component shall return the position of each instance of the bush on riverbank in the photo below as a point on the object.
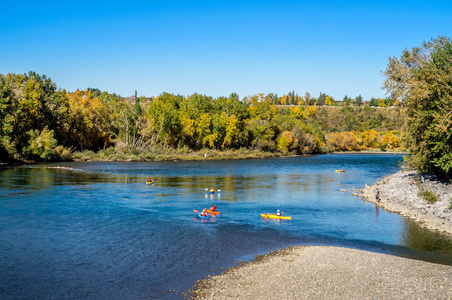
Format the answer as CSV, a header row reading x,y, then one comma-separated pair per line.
x,y
428,196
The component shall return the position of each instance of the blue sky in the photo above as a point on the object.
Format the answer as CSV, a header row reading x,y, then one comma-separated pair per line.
x,y
216,47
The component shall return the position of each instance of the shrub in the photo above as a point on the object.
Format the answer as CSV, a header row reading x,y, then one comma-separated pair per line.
x,y
61,153
429,196
40,144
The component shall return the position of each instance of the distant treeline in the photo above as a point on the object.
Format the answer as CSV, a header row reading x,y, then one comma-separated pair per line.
x,y
39,121
294,99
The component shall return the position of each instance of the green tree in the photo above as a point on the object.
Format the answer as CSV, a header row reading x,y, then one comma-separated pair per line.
x,y
359,100
422,79
41,145
347,100
373,102
29,102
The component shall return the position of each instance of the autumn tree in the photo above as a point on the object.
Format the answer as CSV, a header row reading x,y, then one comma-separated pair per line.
x,y
285,141
307,98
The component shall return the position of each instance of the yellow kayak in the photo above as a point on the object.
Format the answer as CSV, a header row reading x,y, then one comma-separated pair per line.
x,y
274,216
340,171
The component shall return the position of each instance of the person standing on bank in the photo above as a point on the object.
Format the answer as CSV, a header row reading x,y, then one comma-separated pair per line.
x,y
377,196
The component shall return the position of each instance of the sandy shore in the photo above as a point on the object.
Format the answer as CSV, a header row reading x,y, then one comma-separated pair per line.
x,y
398,195
306,272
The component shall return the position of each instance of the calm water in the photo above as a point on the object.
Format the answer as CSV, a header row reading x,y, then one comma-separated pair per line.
x,y
97,231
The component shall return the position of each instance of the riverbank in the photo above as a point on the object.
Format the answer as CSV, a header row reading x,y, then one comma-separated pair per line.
x,y
428,202
171,154
184,154
306,272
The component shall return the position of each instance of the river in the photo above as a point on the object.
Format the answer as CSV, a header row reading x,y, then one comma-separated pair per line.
x,y
96,230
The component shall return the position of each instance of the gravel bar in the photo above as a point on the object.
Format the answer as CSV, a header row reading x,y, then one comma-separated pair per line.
x,y
322,272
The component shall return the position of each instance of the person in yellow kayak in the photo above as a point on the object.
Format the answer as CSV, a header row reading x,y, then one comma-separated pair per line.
x,y
213,208
278,212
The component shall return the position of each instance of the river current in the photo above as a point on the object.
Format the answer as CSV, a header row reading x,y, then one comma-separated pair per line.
x,y
96,230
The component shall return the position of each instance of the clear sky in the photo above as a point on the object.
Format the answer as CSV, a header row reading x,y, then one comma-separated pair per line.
x,y
216,47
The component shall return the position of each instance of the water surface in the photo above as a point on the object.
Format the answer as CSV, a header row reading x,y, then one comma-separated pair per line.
x,y
95,230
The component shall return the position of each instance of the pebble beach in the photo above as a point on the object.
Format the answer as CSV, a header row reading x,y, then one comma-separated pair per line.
x,y
311,272
323,272
400,193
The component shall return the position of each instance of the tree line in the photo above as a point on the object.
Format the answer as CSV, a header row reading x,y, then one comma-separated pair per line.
x,y
292,98
41,122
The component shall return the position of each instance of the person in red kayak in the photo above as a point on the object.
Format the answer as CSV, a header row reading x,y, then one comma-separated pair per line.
x,y
204,212
213,208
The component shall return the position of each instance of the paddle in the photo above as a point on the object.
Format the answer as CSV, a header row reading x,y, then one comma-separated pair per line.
x,y
195,210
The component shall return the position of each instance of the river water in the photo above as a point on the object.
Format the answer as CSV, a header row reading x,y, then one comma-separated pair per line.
x,y
95,230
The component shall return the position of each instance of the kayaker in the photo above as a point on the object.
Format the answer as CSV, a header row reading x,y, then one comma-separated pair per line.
x,y
213,208
278,212
204,212
212,190
149,181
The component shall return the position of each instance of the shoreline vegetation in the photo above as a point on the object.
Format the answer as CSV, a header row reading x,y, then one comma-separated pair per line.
x,y
325,272
43,123
184,154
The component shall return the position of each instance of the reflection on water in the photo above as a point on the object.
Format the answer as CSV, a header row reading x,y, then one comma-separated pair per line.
x,y
420,238
96,230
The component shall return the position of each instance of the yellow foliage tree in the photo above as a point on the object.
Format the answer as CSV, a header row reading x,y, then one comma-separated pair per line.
x,y
297,112
210,140
231,132
284,100
310,111
203,124
285,141
188,127
328,101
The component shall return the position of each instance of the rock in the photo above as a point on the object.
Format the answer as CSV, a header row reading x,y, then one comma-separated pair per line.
x,y
397,195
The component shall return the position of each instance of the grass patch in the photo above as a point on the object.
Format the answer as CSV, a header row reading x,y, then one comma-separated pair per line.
x,y
167,154
428,196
